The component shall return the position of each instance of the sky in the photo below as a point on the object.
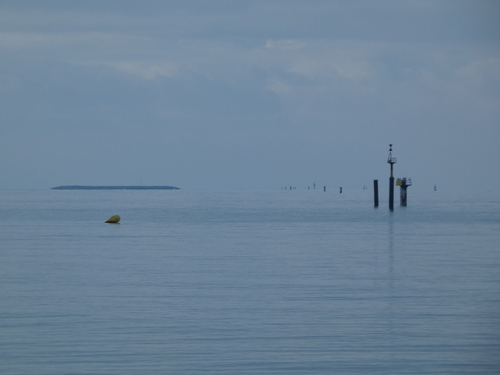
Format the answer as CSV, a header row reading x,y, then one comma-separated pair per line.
x,y
238,94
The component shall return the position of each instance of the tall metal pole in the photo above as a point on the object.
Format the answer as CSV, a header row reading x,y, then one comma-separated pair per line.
x,y
391,161
375,192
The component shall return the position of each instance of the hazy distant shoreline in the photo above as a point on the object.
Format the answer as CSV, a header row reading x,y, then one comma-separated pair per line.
x,y
81,187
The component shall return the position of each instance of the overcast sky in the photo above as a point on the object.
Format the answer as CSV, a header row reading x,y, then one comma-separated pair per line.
x,y
229,94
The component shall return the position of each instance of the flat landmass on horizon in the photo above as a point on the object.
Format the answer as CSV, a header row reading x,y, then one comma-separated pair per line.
x,y
82,187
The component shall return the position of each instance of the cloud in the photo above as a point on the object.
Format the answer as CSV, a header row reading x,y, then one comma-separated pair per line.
x,y
481,72
286,44
146,69
331,67
279,87
31,40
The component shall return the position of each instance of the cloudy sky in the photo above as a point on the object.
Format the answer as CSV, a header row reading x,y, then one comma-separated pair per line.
x,y
230,94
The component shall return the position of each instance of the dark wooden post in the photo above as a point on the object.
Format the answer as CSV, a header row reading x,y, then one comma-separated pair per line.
x,y
391,161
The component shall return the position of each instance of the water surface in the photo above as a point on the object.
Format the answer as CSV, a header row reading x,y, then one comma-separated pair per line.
x,y
248,282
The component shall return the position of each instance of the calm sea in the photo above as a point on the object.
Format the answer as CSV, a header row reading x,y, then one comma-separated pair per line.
x,y
248,282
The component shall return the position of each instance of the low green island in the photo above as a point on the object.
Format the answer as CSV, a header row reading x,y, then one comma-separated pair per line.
x,y
83,187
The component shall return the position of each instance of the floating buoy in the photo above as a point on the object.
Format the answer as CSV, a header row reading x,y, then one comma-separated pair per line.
x,y
113,219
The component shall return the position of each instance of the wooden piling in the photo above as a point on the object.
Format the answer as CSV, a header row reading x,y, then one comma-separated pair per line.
x,y
391,193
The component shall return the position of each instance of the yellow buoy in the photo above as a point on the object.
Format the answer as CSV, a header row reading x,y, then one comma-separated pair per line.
x,y
113,219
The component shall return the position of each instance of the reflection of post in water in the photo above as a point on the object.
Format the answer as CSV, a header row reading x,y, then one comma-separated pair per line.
x,y
390,286
391,252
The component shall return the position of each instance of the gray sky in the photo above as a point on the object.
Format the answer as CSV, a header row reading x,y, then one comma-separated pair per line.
x,y
230,94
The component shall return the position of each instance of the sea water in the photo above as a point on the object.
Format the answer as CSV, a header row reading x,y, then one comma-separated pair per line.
x,y
248,282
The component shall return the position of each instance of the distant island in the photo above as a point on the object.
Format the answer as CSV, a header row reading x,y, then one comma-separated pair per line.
x,y
81,187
